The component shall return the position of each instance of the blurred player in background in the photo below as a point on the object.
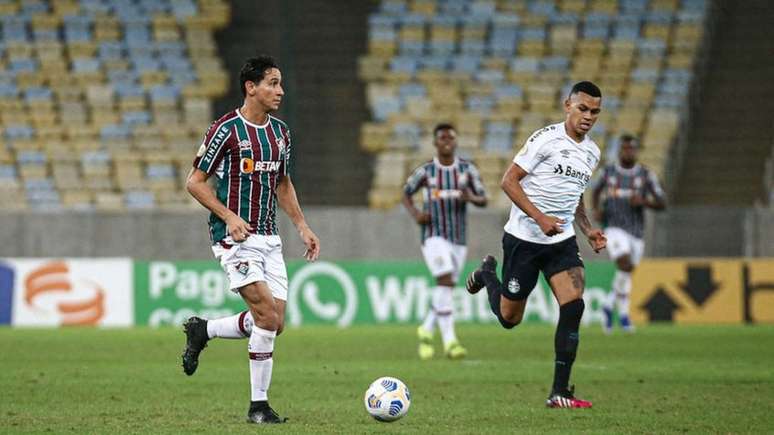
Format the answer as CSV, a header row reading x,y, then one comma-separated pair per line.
x,y
449,184
546,183
628,188
249,151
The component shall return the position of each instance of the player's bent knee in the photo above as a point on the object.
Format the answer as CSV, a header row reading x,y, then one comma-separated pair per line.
x,y
511,315
265,318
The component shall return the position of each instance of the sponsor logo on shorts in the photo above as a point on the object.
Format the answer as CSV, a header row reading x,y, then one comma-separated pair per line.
x,y
513,285
243,267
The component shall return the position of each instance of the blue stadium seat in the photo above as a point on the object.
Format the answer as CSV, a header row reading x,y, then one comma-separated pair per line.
x,y
385,106
139,199
508,91
407,90
136,117
33,157
19,131
183,9
466,64
490,76
439,63
114,131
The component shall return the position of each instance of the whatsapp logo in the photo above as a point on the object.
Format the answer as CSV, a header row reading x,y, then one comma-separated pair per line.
x,y
322,292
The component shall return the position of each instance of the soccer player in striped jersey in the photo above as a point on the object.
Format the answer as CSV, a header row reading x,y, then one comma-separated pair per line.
x,y
546,182
249,152
449,184
628,188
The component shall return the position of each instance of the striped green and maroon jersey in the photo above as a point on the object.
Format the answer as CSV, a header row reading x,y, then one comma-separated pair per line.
x,y
443,186
248,161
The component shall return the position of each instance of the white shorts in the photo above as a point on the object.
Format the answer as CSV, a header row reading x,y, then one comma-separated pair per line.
x,y
444,257
620,243
258,258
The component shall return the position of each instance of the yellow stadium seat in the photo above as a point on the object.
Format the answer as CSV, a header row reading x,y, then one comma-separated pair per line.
x,y
680,61
659,31
609,6
109,201
77,198
576,6
531,48
664,5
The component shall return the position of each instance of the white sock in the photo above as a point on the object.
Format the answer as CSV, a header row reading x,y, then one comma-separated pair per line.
x,y
444,310
236,326
261,349
429,323
625,287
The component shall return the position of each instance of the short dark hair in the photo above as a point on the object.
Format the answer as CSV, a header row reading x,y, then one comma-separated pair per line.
x,y
254,70
587,88
626,137
442,126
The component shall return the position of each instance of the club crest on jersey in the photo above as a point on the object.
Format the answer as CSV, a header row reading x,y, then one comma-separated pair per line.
x,y
243,267
245,145
281,145
513,286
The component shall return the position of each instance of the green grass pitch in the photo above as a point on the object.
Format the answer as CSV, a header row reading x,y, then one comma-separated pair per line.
x,y
709,379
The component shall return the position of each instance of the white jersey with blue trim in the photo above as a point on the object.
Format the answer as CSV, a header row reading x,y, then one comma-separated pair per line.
x,y
558,171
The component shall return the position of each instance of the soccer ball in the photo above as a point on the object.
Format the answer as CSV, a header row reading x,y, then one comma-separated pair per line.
x,y
387,399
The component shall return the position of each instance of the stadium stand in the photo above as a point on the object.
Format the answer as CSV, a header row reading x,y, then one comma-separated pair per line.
x,y
730,138
499,70
101,100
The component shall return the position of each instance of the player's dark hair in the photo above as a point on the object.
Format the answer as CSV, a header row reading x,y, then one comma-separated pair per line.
x,y
587,88
442,126
628,138
254,70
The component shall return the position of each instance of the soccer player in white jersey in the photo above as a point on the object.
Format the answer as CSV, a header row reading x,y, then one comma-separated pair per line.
x,y
546,182
628,188
449,183
249,151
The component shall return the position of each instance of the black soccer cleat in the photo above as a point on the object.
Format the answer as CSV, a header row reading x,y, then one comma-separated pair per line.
x,y
195,329
475,281
264,415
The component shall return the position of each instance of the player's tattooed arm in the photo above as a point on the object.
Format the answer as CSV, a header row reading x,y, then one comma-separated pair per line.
x,y
581,218
596,238
288,201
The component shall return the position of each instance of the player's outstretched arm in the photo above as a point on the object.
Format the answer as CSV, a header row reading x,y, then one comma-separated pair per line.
x,y
596,237
197,186
511,185
288,201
